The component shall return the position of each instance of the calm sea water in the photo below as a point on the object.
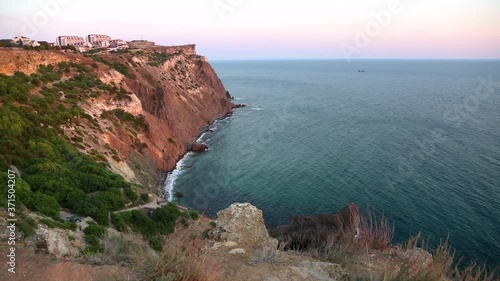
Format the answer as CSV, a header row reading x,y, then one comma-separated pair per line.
x,y
416,140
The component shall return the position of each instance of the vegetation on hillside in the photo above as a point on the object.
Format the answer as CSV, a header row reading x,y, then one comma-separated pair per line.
x,y
137,122
120,67
157,59
159,222
34,109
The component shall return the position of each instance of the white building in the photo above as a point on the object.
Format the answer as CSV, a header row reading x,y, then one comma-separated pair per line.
x,y
98,40
118,44
99,44
98,37
25,41
75,41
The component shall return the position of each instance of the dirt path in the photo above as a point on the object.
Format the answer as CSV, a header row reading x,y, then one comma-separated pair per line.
x,y
30,266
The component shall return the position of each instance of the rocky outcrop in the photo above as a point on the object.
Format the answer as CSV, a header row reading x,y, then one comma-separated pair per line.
x,y
55,242
198,147
248,251
243,224
250,254
312,232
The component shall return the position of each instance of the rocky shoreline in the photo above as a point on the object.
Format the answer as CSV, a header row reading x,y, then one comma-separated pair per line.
x,y
194,147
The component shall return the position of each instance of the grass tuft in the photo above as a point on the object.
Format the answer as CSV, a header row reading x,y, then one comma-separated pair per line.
x,y
269,255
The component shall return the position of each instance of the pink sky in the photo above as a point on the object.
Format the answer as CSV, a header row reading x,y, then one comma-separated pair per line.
x,y
279,29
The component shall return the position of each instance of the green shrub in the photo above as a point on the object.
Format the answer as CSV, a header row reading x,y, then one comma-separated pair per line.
x,y
144,197
138,122
94,230
119,222
192,214
166,216
156,243
42,203
26,225
122,68
93,245
130,193
143,224
57,224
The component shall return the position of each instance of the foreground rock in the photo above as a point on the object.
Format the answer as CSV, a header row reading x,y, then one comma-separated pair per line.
x,y
244,224
321,271
250,254
313,231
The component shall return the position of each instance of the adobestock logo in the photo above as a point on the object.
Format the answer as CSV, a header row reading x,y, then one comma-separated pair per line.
x,y
222,7
372,29
48,9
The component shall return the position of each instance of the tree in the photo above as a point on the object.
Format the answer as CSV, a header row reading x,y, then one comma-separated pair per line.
x,y
167,216
42,203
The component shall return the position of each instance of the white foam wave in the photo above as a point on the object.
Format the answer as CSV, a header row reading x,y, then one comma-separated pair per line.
x,y
172,176
200,138
179,167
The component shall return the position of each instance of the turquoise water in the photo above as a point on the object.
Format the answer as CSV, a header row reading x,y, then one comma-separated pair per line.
x,y
416,140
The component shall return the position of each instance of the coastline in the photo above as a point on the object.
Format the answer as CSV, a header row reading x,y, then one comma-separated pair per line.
x,y
166,190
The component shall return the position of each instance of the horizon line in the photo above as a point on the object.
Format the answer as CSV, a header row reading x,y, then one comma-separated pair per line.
x,y
353,59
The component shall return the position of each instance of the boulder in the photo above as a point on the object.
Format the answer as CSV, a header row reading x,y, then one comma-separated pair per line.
x,y
237,251
239,105
244,224
314,231
198,147
416,260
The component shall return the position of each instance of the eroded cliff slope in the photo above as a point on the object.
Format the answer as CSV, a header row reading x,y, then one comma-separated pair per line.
x,y
154,103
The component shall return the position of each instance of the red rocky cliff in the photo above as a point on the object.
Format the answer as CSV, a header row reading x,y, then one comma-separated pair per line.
x,y
172,89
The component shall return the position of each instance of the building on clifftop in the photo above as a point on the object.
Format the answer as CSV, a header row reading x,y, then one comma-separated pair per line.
x,y
75,41
25,41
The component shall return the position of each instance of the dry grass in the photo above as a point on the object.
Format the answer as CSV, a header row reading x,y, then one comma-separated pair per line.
x,y
268,254
443,267
117,249
183,259
371,234
375,234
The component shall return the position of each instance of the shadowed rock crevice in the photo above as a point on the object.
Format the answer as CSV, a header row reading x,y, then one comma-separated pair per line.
x,y
308,232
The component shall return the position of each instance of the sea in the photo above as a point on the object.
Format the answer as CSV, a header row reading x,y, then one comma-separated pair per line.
x,y
417,141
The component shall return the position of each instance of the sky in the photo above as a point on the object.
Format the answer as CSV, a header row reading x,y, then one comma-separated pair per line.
x,y
274,29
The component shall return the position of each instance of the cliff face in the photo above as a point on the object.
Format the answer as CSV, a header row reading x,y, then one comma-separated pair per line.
x,y
177,98
174,91
14,59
